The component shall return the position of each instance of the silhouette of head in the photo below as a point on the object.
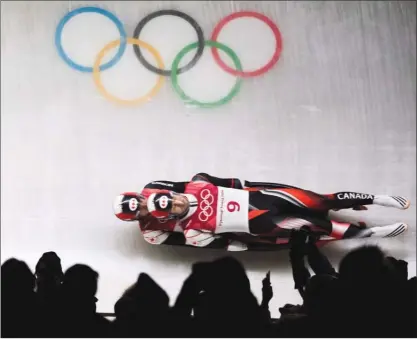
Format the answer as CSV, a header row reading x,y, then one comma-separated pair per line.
x,y
16,278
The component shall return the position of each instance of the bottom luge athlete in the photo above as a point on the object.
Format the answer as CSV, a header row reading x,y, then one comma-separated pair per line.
x,y
215,212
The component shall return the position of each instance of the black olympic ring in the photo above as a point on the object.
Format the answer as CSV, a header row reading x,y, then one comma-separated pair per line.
x,y
186,17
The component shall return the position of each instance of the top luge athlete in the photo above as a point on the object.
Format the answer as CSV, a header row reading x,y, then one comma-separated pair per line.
x,y
218,213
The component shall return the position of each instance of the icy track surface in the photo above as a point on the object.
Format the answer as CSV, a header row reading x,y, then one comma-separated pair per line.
x,y
336,113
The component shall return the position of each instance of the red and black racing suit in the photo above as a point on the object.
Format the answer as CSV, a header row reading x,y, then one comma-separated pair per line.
x,y
282,202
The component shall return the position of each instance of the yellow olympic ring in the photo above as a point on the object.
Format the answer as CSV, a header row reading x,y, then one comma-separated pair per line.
x,y
97,80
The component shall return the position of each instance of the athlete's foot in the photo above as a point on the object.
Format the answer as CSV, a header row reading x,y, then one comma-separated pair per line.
x,y
392,201
388,231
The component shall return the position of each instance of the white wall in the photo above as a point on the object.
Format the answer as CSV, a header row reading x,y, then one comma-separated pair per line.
x,y
336,113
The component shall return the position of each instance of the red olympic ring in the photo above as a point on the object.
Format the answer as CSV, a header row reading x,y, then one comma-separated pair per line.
x,y
260,71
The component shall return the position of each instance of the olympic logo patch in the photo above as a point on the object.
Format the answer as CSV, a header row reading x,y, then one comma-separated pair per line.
x,y
175,70
207,200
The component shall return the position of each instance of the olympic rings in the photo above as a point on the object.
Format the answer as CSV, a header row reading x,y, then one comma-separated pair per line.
x,y
190,20
205,205
175,70
206,195
68,17
174,78
265,19
96,72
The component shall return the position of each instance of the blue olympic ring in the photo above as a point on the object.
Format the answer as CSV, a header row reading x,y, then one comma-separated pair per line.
x,y
112,17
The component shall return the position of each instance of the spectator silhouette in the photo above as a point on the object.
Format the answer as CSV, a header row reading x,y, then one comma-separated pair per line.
x,y
49,277
19,316
370,294
143,310
267,294
227,307
318,291
190,302
410,308
79,304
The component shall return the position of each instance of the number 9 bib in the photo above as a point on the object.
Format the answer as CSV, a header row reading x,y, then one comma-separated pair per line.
x,y
232,210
